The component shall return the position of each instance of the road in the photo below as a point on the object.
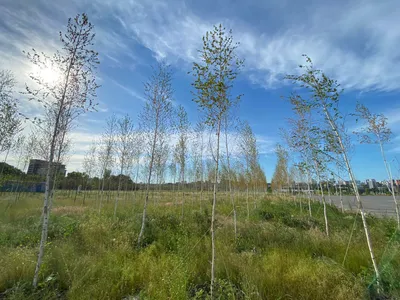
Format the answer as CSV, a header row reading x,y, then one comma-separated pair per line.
x,y
379,205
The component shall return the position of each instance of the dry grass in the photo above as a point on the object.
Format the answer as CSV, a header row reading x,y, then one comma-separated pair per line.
x,y
69,210
280,253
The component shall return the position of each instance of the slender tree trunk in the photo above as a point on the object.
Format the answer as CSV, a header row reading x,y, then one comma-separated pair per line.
x,y
84,192
153,148
45,223
49,190
247,202
322,198
159,188
360,206
213,213
325,212
329,194
301,202
56,174
118,192
46,208
229,178
102,192
201,171
183,188
134,186
201,192
391,186
309,193
341,198
173,189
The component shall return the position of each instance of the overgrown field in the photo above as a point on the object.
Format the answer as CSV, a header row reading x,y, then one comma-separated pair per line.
x,y
280,251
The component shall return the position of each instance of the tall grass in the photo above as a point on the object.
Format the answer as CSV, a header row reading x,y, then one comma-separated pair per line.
x,y
280,252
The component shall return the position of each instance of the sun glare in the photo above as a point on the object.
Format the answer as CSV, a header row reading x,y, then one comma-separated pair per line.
x,y
46,74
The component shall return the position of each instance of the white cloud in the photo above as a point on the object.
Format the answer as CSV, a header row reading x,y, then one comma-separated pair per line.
x,y
266,145
130,91
355,42
393,116
326,37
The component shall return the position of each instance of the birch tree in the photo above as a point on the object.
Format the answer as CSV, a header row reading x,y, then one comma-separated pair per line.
x,y
298,139
198,151
9,117
280,178
214,76
66,98
248,149
124,145
160,162
173,170
155,120
324,99
106,153
181,149
90,164
376,131
137,154
229,171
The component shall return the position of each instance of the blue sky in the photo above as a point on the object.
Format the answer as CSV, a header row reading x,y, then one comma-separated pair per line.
x,y
356,42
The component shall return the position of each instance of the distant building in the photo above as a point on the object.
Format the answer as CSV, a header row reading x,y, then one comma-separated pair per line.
x,y
344,182
39,167
371,183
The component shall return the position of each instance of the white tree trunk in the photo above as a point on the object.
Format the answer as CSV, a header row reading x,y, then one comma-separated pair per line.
x,y
309,193
118,192
213,213
329,194
102,193
391,186
183,189
354,184
322,198
46,208
230,180
247,202
341,198
148,184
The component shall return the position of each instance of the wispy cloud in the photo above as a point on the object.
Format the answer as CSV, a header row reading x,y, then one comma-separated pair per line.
x,y
266,145
130,91
354,42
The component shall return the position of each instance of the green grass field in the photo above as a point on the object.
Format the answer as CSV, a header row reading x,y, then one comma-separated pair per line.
x,y
280,252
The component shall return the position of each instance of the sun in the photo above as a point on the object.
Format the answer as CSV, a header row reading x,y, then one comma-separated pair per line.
x,y
46,73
